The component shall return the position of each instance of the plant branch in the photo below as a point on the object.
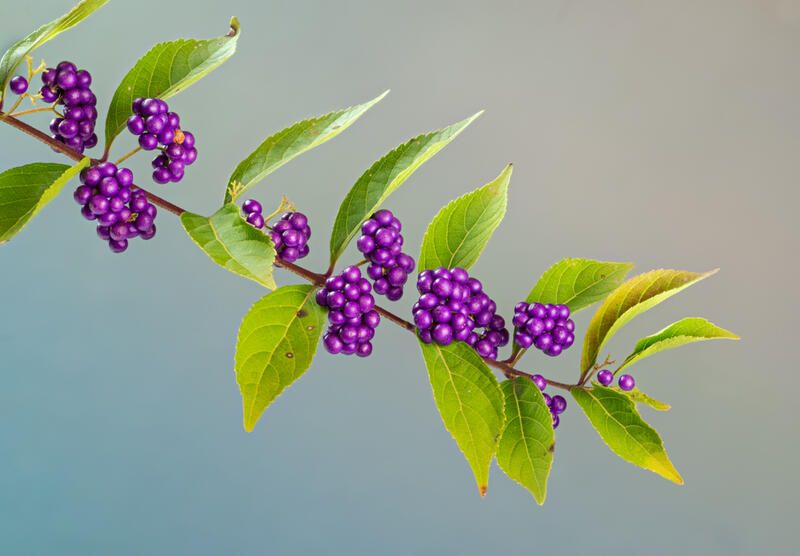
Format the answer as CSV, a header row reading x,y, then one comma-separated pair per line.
x,y
505,367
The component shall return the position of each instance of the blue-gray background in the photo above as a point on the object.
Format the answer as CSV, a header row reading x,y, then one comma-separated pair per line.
x,y
662,133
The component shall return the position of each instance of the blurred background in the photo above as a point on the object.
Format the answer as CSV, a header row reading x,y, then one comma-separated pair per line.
x,y
661,133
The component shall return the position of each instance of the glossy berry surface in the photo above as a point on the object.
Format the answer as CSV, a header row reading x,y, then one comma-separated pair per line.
x,y
453,307
122,213
159,129
556,404
290,235
352,318
381,243
626,382
70,87
18,85
546,327
605,377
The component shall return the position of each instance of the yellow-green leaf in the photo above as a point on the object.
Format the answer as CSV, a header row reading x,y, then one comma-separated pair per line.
x,y
460,231
578,283
525,451
233,244
469,401
614,417
685,331
167,69
277,342
632,298
290,142
24,190
383,178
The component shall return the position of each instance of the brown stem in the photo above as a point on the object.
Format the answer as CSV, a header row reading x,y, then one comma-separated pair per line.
x,y
317,279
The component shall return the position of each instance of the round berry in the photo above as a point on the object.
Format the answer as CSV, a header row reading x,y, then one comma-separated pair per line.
x,y
626,382
19,85
605,377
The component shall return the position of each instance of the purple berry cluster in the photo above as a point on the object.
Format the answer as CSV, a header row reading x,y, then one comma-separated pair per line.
x,y
453,306
18,85
352,318
545,326
122,213
626,382
157,127
290,236
67,85
557,403
381,243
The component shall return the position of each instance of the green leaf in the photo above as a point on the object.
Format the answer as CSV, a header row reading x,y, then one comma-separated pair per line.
x,y
233,244
685,331
460,231
525,451
469,401
632,298
638,396
26,189
16,54
616,420
288,143
578,283
167,69
276,345
383,178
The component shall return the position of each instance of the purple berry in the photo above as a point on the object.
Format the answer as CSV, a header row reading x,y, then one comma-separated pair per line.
x,y
539,381
605,377
19,85
626,382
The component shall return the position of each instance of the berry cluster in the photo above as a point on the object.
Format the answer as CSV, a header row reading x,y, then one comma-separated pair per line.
x,y
557,403
67,85
351,314
290,236
157,126
121,213
606,377
453,306
18,85
381,243
545,326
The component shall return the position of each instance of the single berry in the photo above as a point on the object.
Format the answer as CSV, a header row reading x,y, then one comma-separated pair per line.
x,y
626,382
19,85
605,377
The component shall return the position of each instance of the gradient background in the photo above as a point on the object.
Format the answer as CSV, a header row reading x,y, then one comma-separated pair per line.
x,y
662,133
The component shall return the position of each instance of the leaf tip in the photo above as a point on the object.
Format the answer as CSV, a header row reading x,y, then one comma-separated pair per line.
x,y
235,27
482,490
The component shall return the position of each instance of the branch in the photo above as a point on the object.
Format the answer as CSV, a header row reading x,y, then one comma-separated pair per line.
x,y
506,367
